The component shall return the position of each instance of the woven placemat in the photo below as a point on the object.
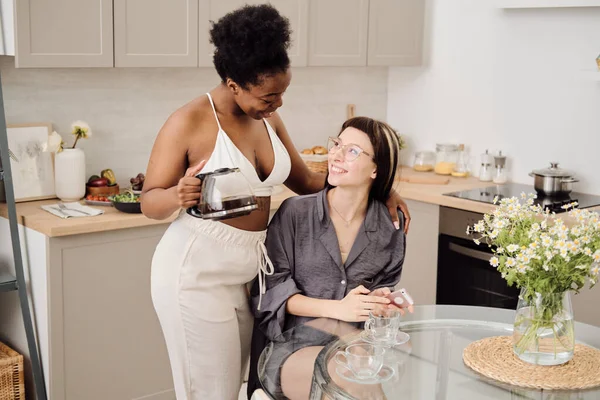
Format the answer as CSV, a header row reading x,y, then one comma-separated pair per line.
x,y
493,357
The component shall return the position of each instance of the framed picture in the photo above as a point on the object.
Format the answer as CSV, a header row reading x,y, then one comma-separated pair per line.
x,y
31,163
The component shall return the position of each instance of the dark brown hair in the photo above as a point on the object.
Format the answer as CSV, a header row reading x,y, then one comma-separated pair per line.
x,y
386,145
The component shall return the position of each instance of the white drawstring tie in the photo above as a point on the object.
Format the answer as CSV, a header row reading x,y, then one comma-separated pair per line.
x,y
265,267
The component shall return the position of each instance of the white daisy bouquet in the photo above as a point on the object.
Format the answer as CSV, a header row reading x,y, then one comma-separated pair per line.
x,y
541,253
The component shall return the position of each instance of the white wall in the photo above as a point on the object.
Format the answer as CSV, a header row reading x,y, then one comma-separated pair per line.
x,y
506,80
126,107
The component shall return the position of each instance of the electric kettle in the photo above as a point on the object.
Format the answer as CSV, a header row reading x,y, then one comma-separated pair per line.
x,y
225,194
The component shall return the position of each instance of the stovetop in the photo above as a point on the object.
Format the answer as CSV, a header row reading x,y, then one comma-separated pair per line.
x,y
487,194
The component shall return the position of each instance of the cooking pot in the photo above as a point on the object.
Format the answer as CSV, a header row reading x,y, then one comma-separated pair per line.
x,y
225,193
553,181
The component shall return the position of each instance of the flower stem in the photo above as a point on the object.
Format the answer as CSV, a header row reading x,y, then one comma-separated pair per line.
x,y
75,143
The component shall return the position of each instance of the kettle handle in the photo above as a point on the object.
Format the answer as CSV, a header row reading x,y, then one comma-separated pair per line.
x,y
194,211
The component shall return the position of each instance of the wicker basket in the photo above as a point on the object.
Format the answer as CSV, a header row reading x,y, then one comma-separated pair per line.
x,y
315,162
12,383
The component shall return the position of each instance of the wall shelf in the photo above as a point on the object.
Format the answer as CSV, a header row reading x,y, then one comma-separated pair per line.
x,y
513,4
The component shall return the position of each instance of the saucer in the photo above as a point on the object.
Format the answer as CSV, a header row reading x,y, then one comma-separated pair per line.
x,y
385,373
401,338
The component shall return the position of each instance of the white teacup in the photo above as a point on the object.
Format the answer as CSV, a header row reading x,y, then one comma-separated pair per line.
x,y
364,360
383,326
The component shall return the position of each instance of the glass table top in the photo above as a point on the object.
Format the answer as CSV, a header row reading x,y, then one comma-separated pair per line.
x,y
429,366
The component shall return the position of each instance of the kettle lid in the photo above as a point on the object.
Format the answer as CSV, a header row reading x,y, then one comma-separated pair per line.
x,y
220,171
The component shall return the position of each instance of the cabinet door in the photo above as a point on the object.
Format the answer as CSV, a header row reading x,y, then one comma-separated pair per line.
x,y
156,33
419,272
295,10
395,32
64,33
338,32
106,341
211,10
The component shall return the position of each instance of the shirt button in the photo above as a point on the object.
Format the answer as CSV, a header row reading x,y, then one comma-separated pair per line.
x,y
343,282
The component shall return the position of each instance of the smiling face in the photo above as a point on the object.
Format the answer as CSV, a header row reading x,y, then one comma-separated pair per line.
x,y
358,173
261,100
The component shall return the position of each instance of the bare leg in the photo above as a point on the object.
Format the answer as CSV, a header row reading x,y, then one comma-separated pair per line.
x,y
360,391
297,372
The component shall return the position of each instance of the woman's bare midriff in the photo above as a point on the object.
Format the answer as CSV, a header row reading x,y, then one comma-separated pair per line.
x,y
257,220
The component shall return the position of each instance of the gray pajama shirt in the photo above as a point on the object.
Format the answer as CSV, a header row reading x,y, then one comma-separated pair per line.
x,y
303,246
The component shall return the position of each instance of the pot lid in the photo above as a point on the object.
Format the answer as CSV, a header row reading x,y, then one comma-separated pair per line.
x,y
553,171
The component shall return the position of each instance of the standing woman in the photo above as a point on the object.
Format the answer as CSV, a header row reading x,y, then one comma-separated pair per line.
x,y
200,268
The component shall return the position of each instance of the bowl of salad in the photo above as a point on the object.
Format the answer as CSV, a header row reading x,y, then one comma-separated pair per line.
x,y
127,202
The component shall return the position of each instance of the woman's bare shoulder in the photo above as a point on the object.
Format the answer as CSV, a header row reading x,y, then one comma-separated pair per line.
x,y
191,119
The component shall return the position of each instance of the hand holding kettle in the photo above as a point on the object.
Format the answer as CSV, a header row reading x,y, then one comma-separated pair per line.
x,y
220,194
189,187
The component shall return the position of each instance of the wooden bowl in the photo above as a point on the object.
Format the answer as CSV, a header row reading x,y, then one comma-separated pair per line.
x,y
103,190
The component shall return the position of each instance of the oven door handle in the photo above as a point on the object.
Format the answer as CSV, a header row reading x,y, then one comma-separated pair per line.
x,y
465,251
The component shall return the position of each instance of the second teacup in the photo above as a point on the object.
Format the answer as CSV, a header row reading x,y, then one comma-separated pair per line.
x,y
364,360
383,326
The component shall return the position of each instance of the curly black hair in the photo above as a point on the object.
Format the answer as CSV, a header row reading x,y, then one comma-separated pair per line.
x,y
250,42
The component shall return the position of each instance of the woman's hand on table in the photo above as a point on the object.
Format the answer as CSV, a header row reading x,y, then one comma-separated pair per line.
x,y
189,187
357,304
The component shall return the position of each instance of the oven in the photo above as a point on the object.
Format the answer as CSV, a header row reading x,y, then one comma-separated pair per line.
x,y
464,273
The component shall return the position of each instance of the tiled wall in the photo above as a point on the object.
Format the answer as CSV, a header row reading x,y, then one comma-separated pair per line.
x,y
126,107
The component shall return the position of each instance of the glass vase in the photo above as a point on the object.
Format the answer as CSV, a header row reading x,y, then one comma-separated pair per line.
x,y
544,328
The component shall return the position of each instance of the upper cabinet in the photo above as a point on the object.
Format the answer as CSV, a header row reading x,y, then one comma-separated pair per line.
x,y
64,33
175,33
156,33
395,32
338,31
295,10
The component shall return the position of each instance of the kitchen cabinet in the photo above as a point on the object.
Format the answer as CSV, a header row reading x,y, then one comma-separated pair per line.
x,y
295,10
156,33
338,32
395,32
106,341
419,273
211,10
175,33
64,33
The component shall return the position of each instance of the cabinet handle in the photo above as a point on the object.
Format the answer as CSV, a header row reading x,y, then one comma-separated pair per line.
x,y
465,251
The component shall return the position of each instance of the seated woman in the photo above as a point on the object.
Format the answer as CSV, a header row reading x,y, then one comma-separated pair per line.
x,y
335,254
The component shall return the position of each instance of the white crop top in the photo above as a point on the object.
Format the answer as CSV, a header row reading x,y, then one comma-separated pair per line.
x,y
227,155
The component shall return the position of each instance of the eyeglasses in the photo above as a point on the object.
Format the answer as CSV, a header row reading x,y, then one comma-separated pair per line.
x,y
350,151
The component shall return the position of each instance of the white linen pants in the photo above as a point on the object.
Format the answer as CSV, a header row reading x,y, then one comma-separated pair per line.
x,y
199,274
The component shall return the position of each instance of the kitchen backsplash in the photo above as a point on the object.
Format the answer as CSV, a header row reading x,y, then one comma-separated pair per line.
x,y
126,107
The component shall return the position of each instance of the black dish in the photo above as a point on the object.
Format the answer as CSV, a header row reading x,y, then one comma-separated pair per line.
x,y
130,208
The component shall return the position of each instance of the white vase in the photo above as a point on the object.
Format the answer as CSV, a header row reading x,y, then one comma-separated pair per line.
x,y
69,174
